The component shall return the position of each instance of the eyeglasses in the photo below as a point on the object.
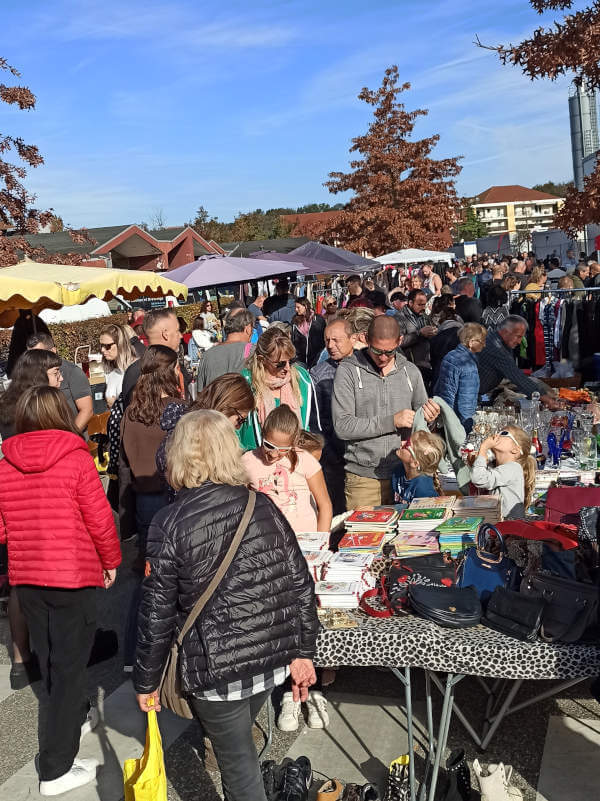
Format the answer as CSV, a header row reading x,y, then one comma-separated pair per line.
x,y
279,365
508,434
270,447
379,352
240,418
106,345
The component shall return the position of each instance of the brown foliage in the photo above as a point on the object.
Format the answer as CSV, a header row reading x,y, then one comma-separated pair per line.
x,y
569,47
402,197
16,204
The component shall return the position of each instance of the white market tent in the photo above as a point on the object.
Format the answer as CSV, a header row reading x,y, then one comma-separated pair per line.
x,y
415,256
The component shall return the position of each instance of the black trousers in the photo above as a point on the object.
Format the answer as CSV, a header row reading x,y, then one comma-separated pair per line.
x,y
61,624
228,725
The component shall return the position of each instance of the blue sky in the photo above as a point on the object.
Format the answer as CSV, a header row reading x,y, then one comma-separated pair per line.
x,y
235,105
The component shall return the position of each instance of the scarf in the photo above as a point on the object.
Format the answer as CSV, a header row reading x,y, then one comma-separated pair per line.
x,y
303,324
266,403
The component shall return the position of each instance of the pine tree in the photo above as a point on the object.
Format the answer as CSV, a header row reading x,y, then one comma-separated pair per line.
x,y
471,227
402,197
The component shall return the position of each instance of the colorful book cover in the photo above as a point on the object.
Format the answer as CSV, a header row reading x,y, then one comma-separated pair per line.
x,y
440,501
373,517
460,524
415,539
362,540
409,515
336,587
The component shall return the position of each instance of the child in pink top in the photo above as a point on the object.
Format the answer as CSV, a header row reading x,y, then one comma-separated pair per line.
x,y
288,475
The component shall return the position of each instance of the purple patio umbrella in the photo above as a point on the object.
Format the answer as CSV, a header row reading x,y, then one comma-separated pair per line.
x,y
310,265
213,270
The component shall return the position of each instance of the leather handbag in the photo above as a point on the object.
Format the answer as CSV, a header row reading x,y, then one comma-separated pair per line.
x,y
451,607
433,570
571,607
484,570
170,693
514,614
564,503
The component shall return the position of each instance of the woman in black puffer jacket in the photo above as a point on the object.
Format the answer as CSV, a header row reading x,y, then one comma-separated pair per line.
x,y
260,624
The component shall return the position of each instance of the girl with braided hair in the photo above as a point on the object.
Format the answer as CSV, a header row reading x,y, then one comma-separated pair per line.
x,y
417,474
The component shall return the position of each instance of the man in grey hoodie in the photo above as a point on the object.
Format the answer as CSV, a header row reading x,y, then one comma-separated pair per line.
x,y
375,395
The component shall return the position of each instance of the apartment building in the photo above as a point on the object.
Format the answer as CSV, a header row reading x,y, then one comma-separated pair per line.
x,y
512,209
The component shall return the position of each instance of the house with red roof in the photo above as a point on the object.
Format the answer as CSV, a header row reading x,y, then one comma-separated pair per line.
x,y
508,209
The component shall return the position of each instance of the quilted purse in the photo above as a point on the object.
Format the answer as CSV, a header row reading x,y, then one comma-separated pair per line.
x,y
484,570
514,614
451,607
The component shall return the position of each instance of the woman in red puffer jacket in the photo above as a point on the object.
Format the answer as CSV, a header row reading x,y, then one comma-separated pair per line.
x,y
62,544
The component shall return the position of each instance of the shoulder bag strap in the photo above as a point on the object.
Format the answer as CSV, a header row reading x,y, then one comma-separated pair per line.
x,y
222,569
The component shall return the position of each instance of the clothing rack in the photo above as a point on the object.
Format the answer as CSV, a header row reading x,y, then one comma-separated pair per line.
x,y
545,292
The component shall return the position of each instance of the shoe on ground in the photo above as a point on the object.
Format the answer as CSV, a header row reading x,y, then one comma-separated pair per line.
x,y
317,711
398,787
82,772
289,713
296,779
22,674
495,784
272,775
91,721
332,790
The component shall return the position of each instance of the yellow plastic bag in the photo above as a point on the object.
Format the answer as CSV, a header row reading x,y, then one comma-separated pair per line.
x,y
145,778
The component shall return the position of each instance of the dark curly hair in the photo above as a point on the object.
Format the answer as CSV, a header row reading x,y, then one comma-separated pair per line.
x,y
157,378
30,370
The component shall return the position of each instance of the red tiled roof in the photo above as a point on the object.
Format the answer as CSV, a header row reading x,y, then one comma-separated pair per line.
x,y
302,222
510,194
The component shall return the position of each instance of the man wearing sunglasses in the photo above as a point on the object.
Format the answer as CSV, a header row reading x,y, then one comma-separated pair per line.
x,y
376,392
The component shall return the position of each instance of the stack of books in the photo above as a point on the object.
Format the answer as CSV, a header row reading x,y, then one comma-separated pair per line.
x,y
415,543
440,501
345,566
316,561
310,541
488,507
338,594
373,520
362,542
424,519
458,533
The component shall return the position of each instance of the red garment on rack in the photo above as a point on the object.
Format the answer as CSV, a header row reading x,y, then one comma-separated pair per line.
x,y
538,338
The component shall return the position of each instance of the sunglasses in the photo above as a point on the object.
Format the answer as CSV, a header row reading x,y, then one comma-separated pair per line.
x,y
508,434
106,345
279,365
379,352
270,447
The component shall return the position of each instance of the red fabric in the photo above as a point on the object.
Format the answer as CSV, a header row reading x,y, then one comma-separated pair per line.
x,y
563,503
538,336
54,514
563,535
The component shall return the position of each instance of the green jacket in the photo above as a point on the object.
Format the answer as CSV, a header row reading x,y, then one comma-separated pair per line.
x,y
250,434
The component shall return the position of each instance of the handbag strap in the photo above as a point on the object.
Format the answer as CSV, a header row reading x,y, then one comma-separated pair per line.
x,y
371,611
485,529
222,569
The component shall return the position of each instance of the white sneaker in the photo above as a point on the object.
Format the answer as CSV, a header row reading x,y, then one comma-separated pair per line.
x,y
317,711
289,714
90,723
79,775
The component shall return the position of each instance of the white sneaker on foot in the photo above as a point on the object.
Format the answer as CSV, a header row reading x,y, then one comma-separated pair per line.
x,y
90,723
317,711
289,714
76,777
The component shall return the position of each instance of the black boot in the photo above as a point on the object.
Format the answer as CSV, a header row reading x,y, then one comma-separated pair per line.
x,y
459,778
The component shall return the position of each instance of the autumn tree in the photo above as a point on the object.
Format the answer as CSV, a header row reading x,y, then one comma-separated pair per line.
x,y
18,216
569,47
471,226
402,197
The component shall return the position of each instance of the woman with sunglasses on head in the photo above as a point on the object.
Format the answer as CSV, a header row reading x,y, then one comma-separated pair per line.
x,y
117,354
513,477
290,476
417,474
275,381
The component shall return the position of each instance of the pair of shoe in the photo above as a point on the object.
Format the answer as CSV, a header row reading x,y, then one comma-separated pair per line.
x,y
83,771
398,785
289,714
289,781
23,674
334,790
495,785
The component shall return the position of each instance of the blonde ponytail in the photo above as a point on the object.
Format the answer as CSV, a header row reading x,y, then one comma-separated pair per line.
x,y
529,466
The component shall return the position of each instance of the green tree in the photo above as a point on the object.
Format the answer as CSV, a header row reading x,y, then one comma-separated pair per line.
x,y
471,227
559,189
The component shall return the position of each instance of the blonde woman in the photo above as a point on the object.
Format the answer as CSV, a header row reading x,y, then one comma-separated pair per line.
x,y
416,476
260,625
117,354
274,381
538,279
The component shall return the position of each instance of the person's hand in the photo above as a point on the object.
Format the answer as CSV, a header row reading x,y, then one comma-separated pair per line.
x,y
148,701
550,402
303,675
431,410
109,577
404,419
428,331
487,444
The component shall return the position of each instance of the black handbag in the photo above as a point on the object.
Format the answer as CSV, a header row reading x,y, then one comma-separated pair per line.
x,y
430,571
514,614
451,607
571,606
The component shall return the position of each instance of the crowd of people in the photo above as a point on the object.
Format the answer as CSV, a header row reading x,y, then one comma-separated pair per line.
x,y
297,416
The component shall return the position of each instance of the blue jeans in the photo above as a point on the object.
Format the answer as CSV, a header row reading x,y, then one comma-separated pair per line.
x,y
147,504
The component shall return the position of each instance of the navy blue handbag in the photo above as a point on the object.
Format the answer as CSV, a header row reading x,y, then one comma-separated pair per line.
x,y
485,570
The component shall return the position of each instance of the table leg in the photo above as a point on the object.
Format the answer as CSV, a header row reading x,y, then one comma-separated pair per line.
x,y
451,681
498,718
405,679
431,743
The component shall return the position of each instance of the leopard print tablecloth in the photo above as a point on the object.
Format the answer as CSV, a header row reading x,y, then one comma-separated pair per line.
x,y
412,641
